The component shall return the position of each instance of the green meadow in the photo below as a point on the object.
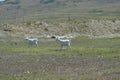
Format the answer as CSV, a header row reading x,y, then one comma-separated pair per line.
x,y
108,47
87,59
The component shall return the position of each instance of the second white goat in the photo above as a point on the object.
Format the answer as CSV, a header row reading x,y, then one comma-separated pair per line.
x,y
63,43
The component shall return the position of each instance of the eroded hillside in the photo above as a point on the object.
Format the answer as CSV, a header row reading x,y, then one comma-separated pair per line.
x,y
92,28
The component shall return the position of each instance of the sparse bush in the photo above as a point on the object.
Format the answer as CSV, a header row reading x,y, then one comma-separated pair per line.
x,y
96,11
13,2
28,24
46,1
46,29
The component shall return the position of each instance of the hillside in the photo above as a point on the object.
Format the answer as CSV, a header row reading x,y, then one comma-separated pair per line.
x,y
100,18
47,9
90,28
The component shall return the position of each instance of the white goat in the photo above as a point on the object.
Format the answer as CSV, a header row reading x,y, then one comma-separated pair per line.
x,y
63,42
32,41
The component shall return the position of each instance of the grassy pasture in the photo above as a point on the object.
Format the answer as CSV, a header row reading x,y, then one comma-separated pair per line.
x,y
87,59
79,45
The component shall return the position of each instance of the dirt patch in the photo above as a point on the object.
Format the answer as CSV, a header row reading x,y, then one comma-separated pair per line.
x,y
70,66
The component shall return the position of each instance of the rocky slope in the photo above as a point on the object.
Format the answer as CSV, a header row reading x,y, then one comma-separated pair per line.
x,y
92,28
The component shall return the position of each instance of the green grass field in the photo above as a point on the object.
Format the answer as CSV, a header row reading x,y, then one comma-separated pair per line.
x,y
87,59
80,45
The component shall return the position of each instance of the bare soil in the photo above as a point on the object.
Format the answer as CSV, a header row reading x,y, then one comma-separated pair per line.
x,y
68,66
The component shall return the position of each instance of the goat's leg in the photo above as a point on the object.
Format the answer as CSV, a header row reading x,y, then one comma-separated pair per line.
x,y
62,47
68,46
37,44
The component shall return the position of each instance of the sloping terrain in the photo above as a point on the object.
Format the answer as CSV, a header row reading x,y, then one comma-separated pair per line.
x,y
91,28
47,9
60,17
